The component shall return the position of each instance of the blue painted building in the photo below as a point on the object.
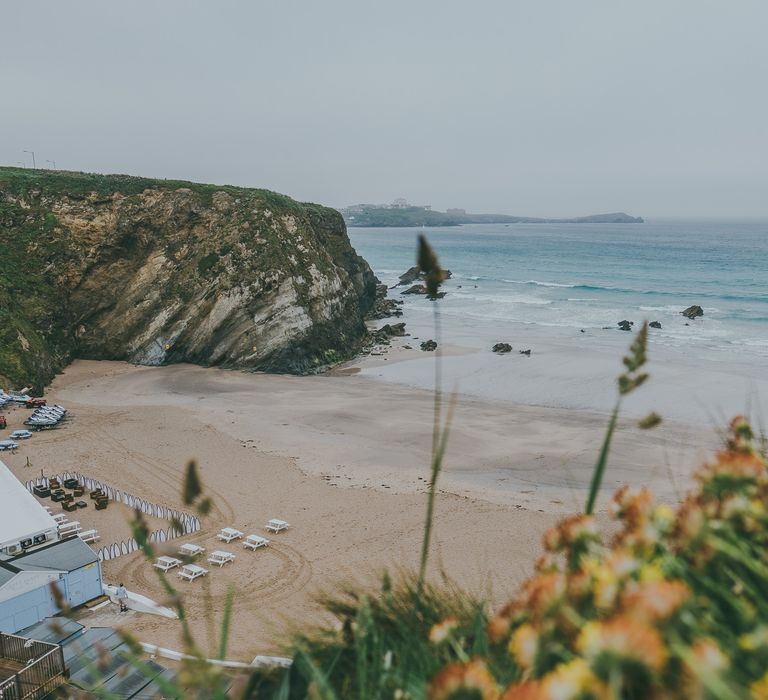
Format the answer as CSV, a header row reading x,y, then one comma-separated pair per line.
x,y
25,582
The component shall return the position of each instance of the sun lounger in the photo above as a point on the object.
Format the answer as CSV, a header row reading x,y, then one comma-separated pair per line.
x,y
60,518
166,563
220,557
276,525
227,534
70,527
254,542
191,550
189,572
89,536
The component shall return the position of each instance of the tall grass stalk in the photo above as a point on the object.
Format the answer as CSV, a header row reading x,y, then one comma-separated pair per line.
x,y
434,275
628,381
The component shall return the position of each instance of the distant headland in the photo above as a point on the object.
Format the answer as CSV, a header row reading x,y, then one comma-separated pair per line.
x,y
401,213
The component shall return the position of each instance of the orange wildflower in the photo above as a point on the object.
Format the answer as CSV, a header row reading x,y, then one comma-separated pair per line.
x,y
456,679
530,690
544,592
442,630
654,600
624,637
572,680
759,689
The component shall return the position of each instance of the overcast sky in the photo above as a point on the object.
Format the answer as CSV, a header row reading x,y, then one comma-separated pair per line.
x,y
531,107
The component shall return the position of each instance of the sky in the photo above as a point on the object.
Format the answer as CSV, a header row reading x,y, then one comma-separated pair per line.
x,y
529,107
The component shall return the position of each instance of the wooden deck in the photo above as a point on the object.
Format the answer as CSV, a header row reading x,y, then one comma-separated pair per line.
x,y
9,668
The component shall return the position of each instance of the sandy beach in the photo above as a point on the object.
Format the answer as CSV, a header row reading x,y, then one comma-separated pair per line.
x,y
343,458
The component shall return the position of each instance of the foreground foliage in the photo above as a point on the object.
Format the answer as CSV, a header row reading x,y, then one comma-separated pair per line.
x,y
674,605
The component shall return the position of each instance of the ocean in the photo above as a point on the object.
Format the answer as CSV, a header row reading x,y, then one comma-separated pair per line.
x,y
541,285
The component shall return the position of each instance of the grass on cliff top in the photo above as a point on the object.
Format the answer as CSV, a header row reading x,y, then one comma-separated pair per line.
x,y
76,184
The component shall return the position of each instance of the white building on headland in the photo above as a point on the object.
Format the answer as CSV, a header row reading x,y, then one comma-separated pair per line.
x,y
24,523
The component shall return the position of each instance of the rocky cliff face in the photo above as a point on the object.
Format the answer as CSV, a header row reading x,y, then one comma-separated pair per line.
x,y
113,267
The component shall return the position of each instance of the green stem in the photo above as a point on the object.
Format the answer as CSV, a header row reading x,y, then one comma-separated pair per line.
x,y
602,460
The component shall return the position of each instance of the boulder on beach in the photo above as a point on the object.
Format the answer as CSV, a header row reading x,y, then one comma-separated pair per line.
x,y
388,331
501,348
655,324
415,289
693,311
527,353
429,345
626,325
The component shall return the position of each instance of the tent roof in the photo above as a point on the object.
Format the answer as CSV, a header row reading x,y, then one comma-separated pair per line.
x,y
21,516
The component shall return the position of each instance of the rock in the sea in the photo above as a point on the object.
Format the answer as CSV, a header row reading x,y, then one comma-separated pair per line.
x,y
410,275
155,271
502,348
626,325
655,324
415,289
429,345
413,274
693,312
526,352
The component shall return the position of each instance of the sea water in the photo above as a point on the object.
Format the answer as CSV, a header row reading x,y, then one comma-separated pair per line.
x,y
565,287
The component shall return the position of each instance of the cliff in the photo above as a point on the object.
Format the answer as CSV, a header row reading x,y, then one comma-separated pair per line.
x,y
157,271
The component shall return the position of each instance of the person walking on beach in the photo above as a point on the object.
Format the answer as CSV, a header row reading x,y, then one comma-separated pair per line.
x,y
122,598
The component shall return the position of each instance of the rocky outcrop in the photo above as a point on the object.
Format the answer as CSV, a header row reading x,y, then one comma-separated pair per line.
x,y
387,331
655,324
414,274
429,345
415,289
384,307
693,312
155,272
501,348
626,325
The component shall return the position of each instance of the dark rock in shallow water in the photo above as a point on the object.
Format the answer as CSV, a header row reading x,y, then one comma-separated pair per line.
x,y
526,352
410,276
502,348
413,274
654,324
626,325
415,289
693,312
439,295
429,345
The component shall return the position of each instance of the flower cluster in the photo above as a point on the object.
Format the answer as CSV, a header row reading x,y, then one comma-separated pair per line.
x,y
674,606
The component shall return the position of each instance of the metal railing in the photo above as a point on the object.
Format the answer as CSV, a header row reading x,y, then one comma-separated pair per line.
x,y
43,672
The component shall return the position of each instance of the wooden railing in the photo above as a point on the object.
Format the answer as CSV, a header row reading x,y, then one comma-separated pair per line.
x,y
43,672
